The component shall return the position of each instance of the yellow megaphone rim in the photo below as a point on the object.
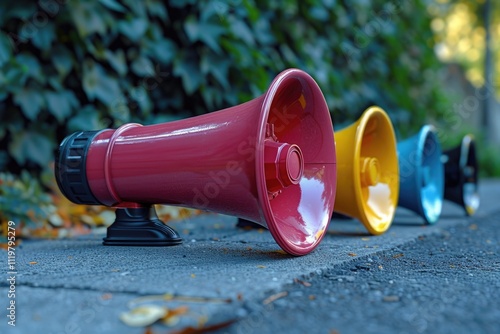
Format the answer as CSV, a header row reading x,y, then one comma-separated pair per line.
x,y
376,170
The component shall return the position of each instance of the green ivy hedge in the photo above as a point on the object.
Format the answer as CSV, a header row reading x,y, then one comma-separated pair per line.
x,y
68,65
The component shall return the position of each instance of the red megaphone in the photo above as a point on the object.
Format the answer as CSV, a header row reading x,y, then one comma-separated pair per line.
x,y
270,160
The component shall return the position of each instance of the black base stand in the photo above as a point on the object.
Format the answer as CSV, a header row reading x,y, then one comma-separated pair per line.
x,y
140,227
247,225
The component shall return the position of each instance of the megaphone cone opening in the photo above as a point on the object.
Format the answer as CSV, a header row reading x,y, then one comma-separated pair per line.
x,y
297,211
461,175
422,174
470,171
368,171
432,175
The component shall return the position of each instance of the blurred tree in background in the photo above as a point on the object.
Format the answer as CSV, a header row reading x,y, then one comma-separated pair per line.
x,y
467,34
68,65
460,30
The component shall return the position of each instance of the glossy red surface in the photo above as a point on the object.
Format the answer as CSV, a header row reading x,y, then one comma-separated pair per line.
x,y
220,162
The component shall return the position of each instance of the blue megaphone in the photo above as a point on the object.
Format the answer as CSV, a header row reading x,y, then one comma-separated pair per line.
x,y
421,174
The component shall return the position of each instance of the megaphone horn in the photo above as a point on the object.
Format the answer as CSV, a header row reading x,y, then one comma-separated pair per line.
x,y
270,160
461,175
421,174
368,178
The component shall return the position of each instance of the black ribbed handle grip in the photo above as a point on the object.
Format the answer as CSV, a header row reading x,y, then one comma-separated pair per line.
x,y
70,170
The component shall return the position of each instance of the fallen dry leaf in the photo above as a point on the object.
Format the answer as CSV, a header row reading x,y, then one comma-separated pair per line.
x,y
106,296
171,318
391,299
282,252
148,330
296,280
143,316
274,297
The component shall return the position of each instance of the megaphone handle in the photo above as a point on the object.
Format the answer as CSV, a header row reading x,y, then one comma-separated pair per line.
x,y
140,227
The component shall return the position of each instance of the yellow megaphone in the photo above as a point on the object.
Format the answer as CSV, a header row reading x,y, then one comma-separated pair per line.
x,y
368,171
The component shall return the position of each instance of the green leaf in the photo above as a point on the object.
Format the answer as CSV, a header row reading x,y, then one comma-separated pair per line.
x,y
120,111
44,36
100,85
89,18
163,50
240,28
62,60
86,119
204,31
188,70
117,61
181,3
112,4
31,146
158,9
22,12
5,48
60,104
143,67
141,97
319,13
137,7
218,67
31,65
133,29
30,101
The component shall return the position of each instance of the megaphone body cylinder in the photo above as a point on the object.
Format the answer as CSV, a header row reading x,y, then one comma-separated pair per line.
x,y
197,162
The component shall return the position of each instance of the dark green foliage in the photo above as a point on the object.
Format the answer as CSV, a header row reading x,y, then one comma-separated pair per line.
x,y
67,65
23,200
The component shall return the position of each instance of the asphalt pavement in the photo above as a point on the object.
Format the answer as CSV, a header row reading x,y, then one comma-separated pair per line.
x,y
415,278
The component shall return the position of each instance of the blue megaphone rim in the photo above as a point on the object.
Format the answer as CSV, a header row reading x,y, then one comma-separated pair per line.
x,y
428,179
